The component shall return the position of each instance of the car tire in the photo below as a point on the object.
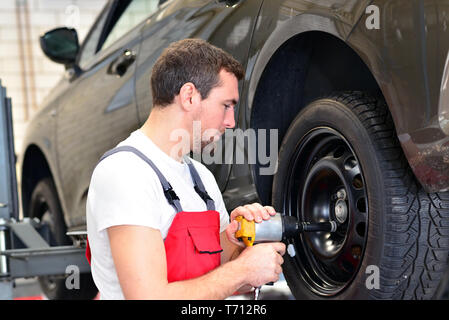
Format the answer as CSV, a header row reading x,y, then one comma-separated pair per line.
x,y
44,204
442,292
341,160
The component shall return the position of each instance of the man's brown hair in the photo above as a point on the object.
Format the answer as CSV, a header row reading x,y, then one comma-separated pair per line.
x,y
190,60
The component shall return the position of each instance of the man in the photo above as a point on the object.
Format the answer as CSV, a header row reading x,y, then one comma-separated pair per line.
x,y
157,224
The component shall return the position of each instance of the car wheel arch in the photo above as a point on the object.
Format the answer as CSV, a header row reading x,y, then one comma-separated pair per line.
x,y
317,65
35,167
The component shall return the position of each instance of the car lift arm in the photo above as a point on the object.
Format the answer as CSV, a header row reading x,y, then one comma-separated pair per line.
x,y
24,245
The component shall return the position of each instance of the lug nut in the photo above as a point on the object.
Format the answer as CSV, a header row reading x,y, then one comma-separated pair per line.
x,y
341,211
341,194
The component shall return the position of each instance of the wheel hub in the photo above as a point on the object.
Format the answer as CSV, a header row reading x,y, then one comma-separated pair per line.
x,y
323,198
341,208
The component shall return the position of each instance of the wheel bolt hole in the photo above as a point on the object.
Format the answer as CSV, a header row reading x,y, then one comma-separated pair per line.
x,y
339,152
350,163
356,252
361,205
360,229
357,182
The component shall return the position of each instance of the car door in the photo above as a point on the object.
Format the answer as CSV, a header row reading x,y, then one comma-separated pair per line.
x,y
225,24
99,110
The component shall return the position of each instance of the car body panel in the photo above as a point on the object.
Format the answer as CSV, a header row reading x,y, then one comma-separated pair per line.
x,y
407,56
97,113
40,134
279,21
253,31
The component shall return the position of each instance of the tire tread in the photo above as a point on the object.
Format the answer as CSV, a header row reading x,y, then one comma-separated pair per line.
x,y
417,236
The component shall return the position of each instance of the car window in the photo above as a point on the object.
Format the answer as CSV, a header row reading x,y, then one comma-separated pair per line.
x,y
134,13
90,45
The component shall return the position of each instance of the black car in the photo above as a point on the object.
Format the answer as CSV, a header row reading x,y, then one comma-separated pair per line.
x,y
355,90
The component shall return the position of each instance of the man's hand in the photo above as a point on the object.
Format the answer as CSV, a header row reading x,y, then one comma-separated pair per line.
x,y
262,263
254,211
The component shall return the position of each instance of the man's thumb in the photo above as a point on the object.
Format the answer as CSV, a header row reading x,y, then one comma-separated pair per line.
x,y
233,226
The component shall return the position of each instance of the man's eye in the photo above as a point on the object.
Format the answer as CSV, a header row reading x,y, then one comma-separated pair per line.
x,y
227,106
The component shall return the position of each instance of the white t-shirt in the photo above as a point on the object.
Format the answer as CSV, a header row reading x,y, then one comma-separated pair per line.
x,y
125,190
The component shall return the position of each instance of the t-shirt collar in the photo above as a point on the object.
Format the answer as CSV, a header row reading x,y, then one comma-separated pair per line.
x,y
151,148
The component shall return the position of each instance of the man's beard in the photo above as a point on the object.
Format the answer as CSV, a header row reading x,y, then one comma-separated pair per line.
x,y
207,145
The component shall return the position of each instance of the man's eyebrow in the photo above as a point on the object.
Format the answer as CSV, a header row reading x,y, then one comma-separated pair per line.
x,y
233,101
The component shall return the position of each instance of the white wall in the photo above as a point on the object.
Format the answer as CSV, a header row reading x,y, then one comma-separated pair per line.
x,y
24,70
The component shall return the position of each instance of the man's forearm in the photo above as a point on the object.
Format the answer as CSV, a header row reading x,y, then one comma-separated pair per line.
x,y
217,284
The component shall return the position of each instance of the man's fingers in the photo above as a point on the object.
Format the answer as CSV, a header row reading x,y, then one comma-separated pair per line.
x,y
255,212
265,211
270,210
260,212
230,232
279,247
242,211
278,270
280,259
233,226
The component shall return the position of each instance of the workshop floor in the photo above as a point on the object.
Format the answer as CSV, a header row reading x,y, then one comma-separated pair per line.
x,y
29,289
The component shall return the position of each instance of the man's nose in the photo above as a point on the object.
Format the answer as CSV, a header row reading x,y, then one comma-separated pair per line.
x,y
229,120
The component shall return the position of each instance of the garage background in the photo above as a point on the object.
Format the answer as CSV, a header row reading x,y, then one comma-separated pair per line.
x,y
26,73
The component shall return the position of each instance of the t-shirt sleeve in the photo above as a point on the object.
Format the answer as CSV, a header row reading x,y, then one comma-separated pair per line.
x,y
124,192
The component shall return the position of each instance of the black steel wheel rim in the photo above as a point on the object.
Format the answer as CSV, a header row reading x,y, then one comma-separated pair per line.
x,y
325,183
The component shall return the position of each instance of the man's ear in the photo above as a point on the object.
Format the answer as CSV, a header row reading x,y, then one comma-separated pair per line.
x,y
188,96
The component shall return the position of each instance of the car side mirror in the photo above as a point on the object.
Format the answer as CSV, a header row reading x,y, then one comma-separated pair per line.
x,y
229,3
61,45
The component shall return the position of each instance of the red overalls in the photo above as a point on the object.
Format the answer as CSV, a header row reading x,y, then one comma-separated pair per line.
x,y
192,245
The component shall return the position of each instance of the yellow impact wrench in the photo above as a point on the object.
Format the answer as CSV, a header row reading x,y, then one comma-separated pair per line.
x,y
277,228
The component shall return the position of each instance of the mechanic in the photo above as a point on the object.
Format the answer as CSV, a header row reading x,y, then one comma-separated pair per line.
x,y
179,244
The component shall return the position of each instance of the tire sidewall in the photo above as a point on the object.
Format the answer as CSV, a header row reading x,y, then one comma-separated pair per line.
x,y
347,124
45,191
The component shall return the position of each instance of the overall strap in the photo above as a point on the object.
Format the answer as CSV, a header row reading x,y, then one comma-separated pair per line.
x,y
199,186
170,194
